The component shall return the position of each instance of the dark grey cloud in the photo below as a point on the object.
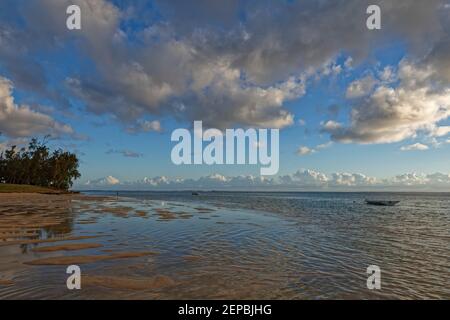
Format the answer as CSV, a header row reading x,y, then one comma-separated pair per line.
x,y
125,153
17,49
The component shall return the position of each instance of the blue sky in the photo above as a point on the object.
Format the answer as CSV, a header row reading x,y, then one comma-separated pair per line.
x,y
356,108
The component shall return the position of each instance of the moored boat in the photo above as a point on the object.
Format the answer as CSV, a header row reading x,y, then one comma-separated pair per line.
x,y
382,202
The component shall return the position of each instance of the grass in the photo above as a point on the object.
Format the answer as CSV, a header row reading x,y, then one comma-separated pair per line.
x,y
24,188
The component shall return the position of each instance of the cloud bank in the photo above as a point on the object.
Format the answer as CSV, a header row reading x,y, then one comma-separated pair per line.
x,y
301,180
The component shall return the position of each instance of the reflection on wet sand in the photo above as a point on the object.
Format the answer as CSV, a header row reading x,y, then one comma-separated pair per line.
x,y
112,282
192,258
5,282
36,241
30,222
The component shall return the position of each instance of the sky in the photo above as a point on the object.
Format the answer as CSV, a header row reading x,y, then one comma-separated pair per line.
x,y
357,109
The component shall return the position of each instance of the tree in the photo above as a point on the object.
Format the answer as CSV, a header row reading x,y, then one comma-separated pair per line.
x,y
38,165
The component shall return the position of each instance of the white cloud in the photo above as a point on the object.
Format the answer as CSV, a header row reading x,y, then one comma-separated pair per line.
x,y
21,121
157,181
440,131
307,178
415,146
438,179
331,69
408,179
331,125
103,182
324,145
145,126
303,150
360,87
352,179
112,180
348,63
390,114
387,75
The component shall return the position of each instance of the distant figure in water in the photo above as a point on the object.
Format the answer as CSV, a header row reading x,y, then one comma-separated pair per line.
x,y
117,195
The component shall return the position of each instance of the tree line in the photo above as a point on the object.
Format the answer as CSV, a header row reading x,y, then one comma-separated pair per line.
x,y
38,165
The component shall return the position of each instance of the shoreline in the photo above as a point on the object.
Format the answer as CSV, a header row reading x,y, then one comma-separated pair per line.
x,y
26,188
5,196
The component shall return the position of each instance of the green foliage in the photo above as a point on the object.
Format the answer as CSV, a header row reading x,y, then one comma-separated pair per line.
x,y
39,166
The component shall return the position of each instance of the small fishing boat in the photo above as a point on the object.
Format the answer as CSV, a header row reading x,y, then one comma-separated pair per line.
x,y
389,203
195,193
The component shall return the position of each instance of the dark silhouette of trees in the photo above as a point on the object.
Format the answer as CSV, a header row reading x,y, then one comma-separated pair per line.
x,y
38,165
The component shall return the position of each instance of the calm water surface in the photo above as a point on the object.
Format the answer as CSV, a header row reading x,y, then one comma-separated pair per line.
x,y
240,245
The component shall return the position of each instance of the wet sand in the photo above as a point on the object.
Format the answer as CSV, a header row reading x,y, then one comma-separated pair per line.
x,y
4,282
112,282
68,247
69,260
43,230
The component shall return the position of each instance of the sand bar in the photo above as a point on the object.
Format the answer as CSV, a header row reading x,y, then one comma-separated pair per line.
x,y
68,247
67,260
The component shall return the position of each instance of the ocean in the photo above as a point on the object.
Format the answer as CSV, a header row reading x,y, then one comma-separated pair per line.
x,y
337,235
253,245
